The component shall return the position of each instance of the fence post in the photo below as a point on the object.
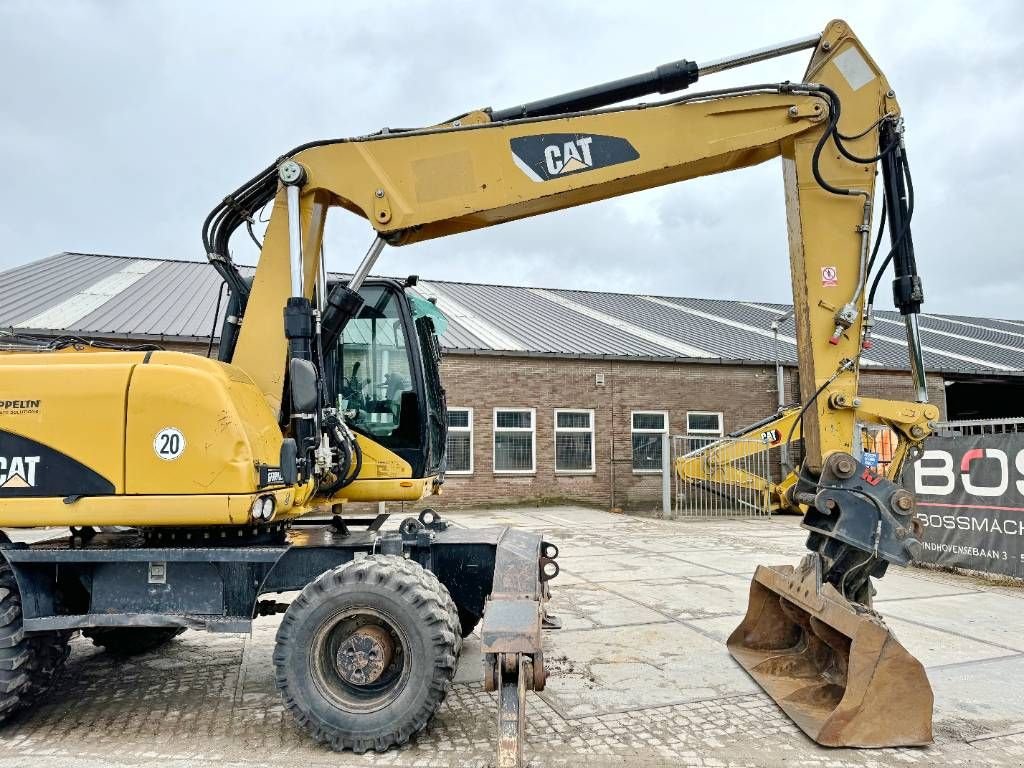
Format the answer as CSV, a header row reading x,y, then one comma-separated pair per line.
x,y
666,474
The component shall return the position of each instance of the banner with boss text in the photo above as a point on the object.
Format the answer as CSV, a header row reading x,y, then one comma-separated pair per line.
x,y
970,500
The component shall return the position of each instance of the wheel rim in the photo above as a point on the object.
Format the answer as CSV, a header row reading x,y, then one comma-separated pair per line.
x,y
359,659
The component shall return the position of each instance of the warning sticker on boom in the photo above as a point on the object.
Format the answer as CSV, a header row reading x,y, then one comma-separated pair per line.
x,y
829,277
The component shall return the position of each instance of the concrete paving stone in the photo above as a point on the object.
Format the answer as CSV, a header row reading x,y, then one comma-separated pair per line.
x,y
681,546
470,669
934,647
624,668
992,617
631,568
693,598
973,700
584,606
902,583
568,551
743,563
567,578
717,627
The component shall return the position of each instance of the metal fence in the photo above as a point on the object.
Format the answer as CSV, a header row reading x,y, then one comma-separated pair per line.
x,y
979,427
726,477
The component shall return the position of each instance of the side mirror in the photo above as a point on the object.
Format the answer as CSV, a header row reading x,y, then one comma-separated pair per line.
x,y
305,393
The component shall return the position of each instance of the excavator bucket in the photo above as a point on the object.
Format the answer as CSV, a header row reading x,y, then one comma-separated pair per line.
x,y
833,666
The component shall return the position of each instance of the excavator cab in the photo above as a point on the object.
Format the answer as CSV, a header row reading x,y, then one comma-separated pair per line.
x,y
382,374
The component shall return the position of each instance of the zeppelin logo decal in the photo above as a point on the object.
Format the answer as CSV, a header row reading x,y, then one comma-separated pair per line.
x,y
18,407
18,471
552,155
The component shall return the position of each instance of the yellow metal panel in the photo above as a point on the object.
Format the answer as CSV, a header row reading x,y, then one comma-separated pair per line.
x,y
384,476
227,428
81,409
156,510
385,490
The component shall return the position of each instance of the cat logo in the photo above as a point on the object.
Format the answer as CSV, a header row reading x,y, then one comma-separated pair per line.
x,y
18,472
555,155
572,156
771,436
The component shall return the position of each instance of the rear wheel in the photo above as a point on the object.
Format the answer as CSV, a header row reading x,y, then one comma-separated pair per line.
x,y
129,641
29,664
366,654
50,650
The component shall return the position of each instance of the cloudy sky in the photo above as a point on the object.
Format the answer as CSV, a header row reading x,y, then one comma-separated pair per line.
x,y
122,123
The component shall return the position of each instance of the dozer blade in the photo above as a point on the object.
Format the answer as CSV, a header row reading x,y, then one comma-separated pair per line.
x,y
833,666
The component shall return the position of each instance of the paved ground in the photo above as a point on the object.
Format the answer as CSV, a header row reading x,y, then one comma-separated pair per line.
x,y
640,674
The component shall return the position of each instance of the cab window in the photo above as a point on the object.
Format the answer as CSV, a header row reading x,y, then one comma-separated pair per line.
x,y
374,379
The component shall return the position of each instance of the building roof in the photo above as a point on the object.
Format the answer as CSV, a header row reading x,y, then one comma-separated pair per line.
x,y
119,297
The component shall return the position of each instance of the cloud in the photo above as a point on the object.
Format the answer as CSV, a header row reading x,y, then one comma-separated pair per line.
x,y
123,123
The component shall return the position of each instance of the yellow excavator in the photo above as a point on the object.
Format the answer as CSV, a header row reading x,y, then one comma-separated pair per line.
x,y
328,392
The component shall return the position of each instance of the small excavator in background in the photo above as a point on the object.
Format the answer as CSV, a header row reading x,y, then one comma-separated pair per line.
x,y
211,466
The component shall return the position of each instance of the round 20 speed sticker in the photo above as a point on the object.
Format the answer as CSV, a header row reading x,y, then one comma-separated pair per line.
x,y
169,443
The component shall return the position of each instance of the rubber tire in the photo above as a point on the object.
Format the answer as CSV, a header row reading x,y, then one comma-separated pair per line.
x,y
17,650
417,603
50,650
131,641
430,581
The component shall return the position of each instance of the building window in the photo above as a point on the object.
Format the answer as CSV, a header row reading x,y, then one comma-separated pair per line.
x,y
515,440
574,440
703,427
459,451
647,429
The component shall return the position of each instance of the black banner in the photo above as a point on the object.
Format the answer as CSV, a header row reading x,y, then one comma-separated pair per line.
x,y
970,500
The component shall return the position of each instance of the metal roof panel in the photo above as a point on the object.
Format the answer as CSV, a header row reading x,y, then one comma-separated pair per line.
x,y
176,299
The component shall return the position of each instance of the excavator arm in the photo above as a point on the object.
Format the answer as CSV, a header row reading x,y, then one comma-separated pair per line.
x,y
831,130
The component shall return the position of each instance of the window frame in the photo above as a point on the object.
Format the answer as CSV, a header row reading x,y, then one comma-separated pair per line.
x,y
591,430
666,430
720,432
532,429
472,439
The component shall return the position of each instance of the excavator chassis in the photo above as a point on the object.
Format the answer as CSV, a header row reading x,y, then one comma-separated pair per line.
x,y
121,580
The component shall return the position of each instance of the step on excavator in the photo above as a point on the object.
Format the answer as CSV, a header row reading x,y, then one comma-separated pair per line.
x,y
187,483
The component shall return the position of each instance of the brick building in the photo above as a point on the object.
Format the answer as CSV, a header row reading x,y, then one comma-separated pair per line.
x,y
554,394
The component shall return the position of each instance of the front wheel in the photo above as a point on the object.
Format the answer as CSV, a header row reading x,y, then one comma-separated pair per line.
x,y
366,654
